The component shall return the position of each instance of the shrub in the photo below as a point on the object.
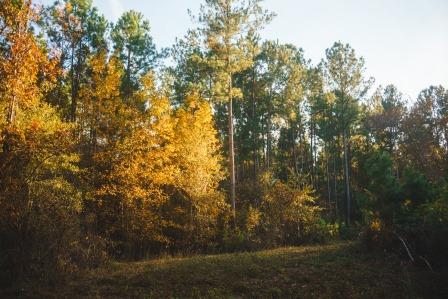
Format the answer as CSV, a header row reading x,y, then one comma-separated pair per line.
x,y
289,214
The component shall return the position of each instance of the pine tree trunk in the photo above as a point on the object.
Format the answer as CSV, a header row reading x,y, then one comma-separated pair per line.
x,y
327,168
231,153
254,128
347,175
268,141
73,92
293,145
312,152
335,186
128,76
316,169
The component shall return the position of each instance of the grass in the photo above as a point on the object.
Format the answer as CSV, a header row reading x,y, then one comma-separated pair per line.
x,y
337,270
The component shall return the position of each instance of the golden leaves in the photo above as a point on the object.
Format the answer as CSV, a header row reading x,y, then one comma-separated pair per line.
x,y
23,61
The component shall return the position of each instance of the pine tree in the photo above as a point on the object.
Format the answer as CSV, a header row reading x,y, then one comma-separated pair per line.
x,y
75,31
136,50
344,72
225,25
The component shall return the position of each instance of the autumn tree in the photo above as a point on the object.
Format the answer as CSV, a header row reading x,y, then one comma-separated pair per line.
x,y
161,187
100,103
199,160
39,203
425,132
288,212
101,123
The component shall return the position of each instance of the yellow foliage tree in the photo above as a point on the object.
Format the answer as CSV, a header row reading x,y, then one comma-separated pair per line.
x,y
38,204
22,61
289,214
141,164
161,185
200,171
102,114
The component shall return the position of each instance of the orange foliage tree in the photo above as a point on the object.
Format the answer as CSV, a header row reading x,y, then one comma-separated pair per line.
x,y
38,203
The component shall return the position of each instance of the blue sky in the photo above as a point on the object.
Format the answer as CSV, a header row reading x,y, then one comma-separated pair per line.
x,y
404,42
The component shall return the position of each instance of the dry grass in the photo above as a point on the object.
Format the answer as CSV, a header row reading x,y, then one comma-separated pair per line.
x,y
337,270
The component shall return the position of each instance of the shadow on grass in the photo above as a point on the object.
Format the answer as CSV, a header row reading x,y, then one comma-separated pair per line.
x,y
337,270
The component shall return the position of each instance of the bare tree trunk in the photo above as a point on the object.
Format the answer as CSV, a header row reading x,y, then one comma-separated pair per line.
x,y
335,185
347,175
269,139
328,180
231,153
254,128
128,76
302,153
294,154
312,151
73,92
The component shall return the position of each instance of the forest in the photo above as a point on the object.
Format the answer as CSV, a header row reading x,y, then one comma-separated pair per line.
x,y
114,149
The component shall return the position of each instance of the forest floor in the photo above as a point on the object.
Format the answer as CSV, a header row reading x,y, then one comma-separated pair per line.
x,y
338,270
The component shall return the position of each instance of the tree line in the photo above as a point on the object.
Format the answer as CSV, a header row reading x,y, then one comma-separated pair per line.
x,y
241,143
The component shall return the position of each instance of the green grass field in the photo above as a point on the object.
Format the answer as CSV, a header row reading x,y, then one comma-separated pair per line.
x,y
337,270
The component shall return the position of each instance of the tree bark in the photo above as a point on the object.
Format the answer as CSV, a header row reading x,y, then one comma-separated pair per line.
x,y
268,137
311,168
73,93
231,152
254,128
347,175
293,145
128,76
327,168
335,185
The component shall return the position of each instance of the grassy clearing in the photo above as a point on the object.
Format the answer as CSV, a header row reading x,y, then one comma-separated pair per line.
x,y
331,271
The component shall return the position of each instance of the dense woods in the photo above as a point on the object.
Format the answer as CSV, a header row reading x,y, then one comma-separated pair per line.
x,y
112,148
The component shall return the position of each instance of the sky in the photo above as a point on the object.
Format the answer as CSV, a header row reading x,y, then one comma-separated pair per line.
x,y
404,42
